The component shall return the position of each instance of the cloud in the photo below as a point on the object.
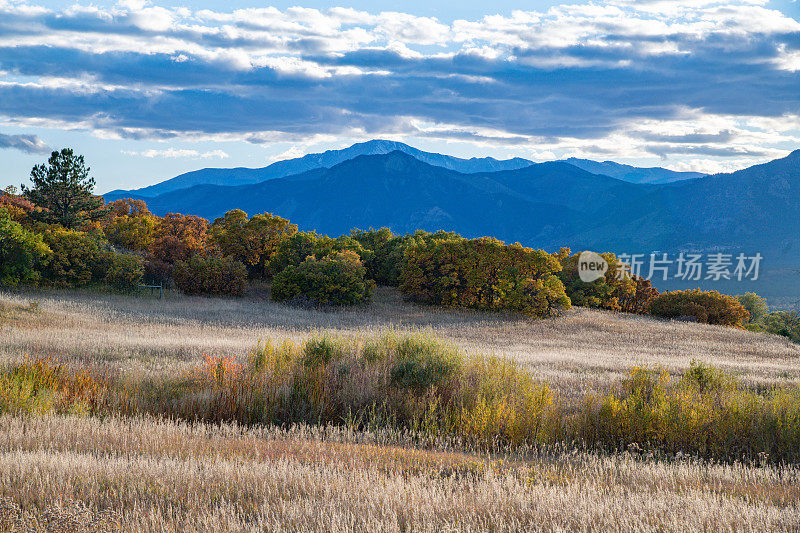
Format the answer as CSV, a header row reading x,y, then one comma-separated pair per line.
x,y
30,144
661,77
176,153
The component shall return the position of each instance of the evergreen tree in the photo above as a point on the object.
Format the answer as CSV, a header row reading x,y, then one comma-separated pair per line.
x,y
63,189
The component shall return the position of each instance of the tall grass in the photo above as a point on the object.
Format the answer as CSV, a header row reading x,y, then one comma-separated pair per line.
x,y
416,382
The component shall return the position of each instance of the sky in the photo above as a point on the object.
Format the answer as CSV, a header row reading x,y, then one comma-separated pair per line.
x,y
146,90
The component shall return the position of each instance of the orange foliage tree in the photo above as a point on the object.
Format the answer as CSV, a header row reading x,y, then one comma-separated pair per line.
x,y
176,238
130,224
252,241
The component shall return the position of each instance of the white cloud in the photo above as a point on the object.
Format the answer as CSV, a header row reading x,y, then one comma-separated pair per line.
x,y
687,81
176,153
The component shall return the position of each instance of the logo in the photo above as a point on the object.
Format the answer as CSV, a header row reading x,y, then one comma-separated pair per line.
x,y
591,266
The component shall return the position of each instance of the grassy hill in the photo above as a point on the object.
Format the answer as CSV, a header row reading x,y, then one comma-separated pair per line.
x,y
147,473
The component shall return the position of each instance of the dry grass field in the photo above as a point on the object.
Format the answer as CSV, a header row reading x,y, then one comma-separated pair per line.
x,y
64,473
584,348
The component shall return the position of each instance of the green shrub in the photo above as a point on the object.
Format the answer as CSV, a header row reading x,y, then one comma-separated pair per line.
x,y
22,253
76,259
706,378
211,276
483,274
755,305
603,293
320,350
784,323
422,363
708,307
385,259
337,279
123,271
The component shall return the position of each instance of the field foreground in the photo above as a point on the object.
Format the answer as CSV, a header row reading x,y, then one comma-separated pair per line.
x,y
145,475
140,473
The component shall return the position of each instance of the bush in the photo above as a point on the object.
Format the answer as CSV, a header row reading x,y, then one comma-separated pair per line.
x,y
638,301
211,276
253,241
784,323
755,305
708,307
130,224
76,259
176,238
422,363
603,293
123,271
483,274
337,279
293,250
22,253
385,261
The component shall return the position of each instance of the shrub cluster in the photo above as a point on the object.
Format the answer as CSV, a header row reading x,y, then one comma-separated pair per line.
x,y
708,307
603,293
419,384
483,274
22,253
336,279
211,276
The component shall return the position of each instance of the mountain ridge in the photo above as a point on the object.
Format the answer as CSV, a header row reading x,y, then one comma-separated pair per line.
x,y
329,158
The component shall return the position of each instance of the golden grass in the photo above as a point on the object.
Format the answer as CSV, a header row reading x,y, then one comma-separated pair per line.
x,y
163,476
571,353
67,473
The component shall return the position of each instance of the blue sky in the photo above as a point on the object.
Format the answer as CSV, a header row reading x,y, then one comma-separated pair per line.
x,y
147,90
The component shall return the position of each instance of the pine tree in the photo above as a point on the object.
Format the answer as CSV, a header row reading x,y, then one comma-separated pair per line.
x,y
63,189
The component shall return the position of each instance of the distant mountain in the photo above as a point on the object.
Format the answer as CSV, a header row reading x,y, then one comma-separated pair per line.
x,y
401,192
330,158
655,175
545,204
289,167
755,209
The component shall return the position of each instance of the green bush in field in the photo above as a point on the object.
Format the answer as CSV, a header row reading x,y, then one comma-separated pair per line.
x,y
483,274
604,293
336,279
222,276
123,271
76,258
708,307
22,253
784,323
755,305
422,363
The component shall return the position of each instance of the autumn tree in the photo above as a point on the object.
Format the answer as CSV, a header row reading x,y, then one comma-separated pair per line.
x,y
176,238
16,206
708,307
252,241
63,189
130,224
639,299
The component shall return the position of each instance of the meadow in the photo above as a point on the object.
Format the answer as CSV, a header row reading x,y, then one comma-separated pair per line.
x,y
166,436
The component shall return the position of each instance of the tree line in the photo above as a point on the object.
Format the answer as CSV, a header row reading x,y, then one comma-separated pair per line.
x,y
56,232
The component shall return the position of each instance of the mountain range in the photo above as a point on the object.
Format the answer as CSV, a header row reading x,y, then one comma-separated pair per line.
x,y
544,205
330,158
